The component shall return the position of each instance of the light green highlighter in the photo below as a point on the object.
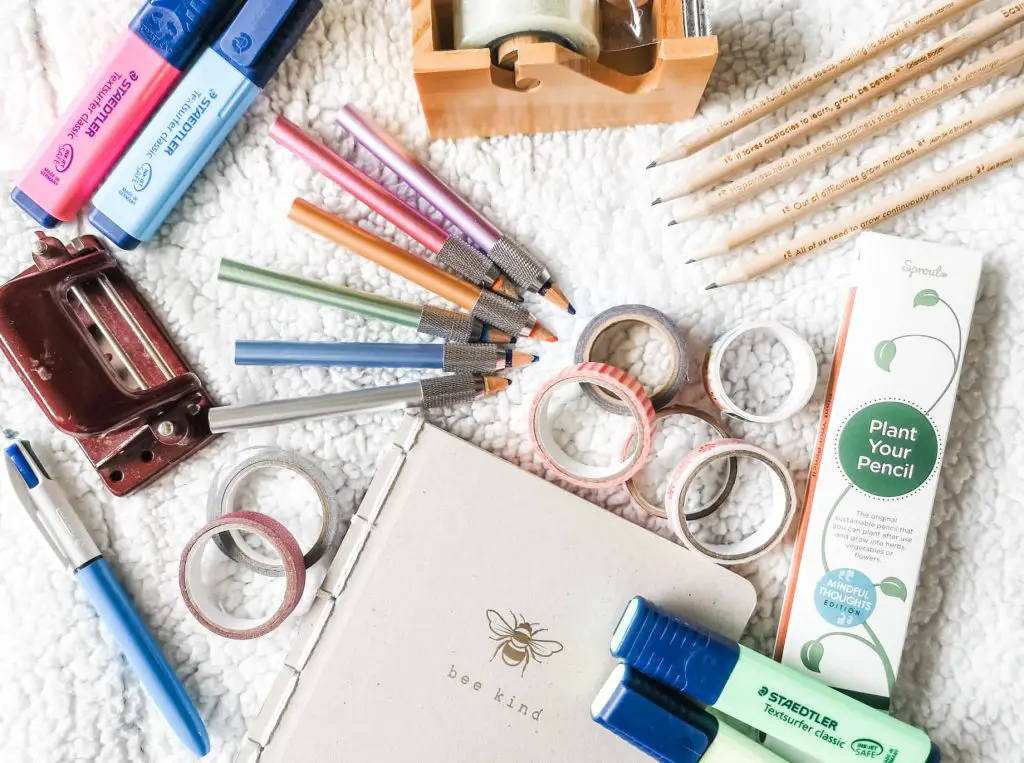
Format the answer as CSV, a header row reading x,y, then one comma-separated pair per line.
x,y
779,701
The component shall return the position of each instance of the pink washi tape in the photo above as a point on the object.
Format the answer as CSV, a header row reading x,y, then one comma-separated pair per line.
x,y
572,470
198,597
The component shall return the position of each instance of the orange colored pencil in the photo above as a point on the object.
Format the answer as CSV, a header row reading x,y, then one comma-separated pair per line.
x,y
483,304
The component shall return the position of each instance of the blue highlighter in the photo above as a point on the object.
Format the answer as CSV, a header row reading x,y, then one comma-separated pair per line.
x,y
197,118
662,723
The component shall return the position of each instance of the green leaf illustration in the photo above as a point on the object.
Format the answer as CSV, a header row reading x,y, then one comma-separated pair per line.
x,y
894,587
811,654
926,298
885,352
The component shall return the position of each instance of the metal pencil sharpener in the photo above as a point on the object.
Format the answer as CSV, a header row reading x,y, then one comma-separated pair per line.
x,y
100,365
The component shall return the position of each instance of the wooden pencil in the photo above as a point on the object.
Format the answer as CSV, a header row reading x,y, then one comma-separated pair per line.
x,y
768,143
959,175
504,314
990,112
831,70
793,164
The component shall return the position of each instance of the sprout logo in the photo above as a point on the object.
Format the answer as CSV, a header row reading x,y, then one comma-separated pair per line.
x,y
241,43
763,692
866,748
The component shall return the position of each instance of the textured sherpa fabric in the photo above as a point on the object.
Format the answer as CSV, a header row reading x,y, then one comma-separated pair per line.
x,y
582,201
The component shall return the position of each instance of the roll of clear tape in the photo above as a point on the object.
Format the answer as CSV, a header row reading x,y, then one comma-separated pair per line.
x,y
574,24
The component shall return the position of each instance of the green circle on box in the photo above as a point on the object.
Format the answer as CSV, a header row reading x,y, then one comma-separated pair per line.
x,y
888,449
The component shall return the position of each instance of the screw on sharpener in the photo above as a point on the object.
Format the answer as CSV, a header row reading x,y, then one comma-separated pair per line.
x,y
100,365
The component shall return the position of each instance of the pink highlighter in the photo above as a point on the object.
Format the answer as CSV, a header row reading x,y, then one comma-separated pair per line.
x,y
131,82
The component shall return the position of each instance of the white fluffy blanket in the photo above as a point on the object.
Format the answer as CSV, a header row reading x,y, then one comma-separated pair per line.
x,y
580,199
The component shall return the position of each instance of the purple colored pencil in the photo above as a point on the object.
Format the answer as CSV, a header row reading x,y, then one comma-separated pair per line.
x,y
521,266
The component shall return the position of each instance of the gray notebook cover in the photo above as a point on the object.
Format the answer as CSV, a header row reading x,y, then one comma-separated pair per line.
x,y
467,618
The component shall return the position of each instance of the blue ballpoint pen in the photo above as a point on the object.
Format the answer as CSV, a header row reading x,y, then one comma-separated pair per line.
x,y
49,510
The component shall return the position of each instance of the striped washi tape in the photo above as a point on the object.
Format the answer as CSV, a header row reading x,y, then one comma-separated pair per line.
x,y
666,390
572,470
805,372
198,596
779,513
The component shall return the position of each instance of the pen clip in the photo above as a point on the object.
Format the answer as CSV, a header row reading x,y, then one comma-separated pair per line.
x,y
17,482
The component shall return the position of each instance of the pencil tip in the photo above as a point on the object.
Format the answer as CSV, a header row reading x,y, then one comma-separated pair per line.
x,y
711,286
690,261
536,358
555,296
673,222
495,384
652,165
518,359
541,333
656,202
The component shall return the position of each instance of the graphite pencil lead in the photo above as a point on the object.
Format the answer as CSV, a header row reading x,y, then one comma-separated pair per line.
x,y
656,202
673,222
690,261
711,286
652,165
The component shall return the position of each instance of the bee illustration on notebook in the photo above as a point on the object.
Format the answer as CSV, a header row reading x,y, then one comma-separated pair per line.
x,y
518,642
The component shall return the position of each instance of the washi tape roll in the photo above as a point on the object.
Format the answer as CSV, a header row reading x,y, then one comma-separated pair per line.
x,y
574,24
719,498
779,514
224,490
198,596
573,470
668,388
805,372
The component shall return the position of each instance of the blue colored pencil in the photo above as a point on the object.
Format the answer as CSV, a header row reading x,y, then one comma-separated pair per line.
x,y
448,357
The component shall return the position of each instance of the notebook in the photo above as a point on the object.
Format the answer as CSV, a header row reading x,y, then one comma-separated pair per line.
x,y
467,617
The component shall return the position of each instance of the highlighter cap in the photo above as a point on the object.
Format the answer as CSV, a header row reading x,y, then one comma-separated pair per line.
x,y
653,718
176,29
681,654
263,34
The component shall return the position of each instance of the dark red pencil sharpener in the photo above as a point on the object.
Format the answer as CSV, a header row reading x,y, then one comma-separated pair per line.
x,y
100,365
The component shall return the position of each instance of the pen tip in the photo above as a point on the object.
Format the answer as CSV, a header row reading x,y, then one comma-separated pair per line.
x,y
656,202
652,165
711,286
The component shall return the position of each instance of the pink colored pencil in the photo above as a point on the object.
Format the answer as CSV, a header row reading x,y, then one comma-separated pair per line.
x,y
448,249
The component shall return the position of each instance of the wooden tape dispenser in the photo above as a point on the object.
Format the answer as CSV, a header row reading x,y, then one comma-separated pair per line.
x,y
99,363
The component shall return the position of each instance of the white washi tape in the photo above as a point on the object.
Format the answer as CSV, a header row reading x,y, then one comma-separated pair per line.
x,y
779,512
224,490
198,596
572,470
805,372
575,24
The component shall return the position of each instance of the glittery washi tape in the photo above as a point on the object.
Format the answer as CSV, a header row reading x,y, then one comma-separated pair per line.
x,y
805,372
571,469
198,596
679,356
727,484
225,488
779,513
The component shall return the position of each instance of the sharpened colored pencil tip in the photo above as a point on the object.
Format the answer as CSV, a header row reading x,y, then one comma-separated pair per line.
x,y
555,296
542,334
495,384
711,286
571,310
519,359
652,165
674,222
656,202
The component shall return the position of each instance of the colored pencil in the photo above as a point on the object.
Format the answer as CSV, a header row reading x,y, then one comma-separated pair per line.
x,y
962,174
469,358
794,163
917,149
427,319
449,250
485,305
774,140
936,14
519,264
440,392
